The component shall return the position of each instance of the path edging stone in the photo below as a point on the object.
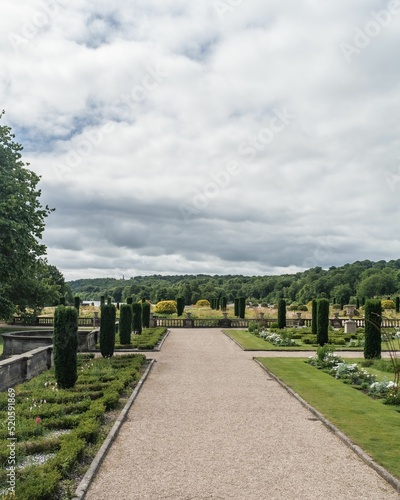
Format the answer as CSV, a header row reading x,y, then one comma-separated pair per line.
x,y
393,481
87,479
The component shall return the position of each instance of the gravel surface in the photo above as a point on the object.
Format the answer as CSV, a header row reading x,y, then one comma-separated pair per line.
x,y
211,424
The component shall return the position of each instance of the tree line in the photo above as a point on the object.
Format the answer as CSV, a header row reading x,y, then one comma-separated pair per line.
x,y
342,285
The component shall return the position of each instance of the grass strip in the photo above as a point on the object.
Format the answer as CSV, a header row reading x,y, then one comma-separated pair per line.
x,y
369,423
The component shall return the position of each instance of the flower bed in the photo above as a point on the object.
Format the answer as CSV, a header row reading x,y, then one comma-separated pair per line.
x,y
59,431
352,373
148,339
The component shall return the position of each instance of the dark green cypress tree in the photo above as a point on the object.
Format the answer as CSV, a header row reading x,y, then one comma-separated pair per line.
x,y
373,320
180,305
242,307
314,317
62,301
322,321
357,303
65,346
102,300
125,324
236,306
109,301
137,318
282,313
223,303
397,304
129,300
77,303
145,314
107,330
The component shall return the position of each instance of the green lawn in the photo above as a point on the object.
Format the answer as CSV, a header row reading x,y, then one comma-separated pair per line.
x,y
250,342
367,422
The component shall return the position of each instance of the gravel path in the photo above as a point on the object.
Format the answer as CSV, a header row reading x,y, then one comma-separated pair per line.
x,y
211,424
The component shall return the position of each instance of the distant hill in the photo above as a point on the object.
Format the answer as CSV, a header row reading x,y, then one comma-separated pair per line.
x,y
360,280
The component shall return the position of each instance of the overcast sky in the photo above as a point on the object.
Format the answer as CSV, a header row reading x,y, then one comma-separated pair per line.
x,y
232,136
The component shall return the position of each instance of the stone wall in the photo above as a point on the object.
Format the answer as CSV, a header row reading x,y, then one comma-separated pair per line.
x,y
25,366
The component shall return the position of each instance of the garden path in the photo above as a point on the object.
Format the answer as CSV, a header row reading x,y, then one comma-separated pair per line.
x,y
209,423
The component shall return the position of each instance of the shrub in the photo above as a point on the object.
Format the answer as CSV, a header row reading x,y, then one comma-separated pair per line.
x,y
253,327
65,342
282,314
322,321
388,304
137,317
373,320
107,330
77,303
203,303
242,307
223,303
302,307
236,307
180,305
309,339
167,307
125,324
145,314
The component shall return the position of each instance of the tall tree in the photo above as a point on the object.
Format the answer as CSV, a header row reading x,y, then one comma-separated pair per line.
x,y
282,313
65,346
22,219
322,321
373,320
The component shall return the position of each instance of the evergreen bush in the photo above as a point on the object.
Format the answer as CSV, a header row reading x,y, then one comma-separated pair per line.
x,y
180,305
322,321
397,304
223,303
65,346
242,307
107,330
373,320
125,324
77,303
281,313
168,307
145,314
137,317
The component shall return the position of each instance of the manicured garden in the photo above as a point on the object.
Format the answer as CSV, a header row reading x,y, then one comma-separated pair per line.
x,y
148,339
58,431
298,339
366,420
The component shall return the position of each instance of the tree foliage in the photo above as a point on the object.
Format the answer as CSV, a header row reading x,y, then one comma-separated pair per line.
x,y
322,321
137,317
22,222
357,280
107,330
282,313
373,320
65,346
125,323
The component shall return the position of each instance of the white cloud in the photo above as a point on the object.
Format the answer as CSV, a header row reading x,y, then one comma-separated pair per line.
x,y
131,111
